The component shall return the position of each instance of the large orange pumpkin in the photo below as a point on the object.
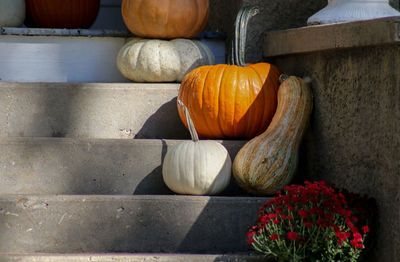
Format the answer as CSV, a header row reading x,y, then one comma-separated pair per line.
x,y
61,13
165,18
231,101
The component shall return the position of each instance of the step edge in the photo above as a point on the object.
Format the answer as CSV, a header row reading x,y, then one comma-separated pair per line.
x,y
135,86
135,257
22,198
85,140
63,32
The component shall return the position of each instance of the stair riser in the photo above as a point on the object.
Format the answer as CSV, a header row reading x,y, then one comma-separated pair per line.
x,y
59,55
90,110
59,59
88,166
76,224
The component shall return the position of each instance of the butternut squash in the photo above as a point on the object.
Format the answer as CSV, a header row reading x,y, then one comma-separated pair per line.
x,y
268,162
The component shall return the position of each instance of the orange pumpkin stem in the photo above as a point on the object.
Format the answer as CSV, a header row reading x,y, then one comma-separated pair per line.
x,y
238,49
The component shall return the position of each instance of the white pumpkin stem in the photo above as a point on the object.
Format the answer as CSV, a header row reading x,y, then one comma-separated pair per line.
x,y
189,121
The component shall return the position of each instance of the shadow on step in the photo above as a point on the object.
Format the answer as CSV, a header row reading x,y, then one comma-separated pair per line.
x,y
221,226
164,123
153,184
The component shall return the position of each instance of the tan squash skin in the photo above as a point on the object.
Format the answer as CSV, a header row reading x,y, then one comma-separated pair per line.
x,y
268,162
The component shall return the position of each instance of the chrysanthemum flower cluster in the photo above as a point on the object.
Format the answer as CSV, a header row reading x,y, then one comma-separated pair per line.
x,y
314,222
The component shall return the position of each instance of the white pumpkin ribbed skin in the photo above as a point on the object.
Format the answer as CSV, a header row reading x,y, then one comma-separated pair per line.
x,y
197,168
154,60
12,13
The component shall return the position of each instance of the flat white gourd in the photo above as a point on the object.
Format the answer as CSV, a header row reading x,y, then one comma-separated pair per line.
x,y
155,60
197,167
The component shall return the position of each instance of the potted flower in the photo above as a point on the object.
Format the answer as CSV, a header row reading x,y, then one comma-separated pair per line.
x,y
314,222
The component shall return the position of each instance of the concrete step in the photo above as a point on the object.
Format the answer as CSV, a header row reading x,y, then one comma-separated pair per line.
x,y
132,258
89,166
90,110
144,224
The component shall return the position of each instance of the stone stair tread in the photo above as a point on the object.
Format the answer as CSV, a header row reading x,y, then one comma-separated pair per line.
x,y
95,110
40,165
64,32
98,85
104,223
131,257
317,38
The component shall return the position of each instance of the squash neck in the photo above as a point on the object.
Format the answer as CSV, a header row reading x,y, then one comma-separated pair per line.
x,y
298,105
238,48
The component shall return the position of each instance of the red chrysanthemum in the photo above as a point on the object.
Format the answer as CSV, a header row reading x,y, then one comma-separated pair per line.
x,y
274,237
341,235
307,224
292,235
365,229
303,213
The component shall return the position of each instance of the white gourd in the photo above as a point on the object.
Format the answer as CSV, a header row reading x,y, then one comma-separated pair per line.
x,y
12,13
197,167
155,60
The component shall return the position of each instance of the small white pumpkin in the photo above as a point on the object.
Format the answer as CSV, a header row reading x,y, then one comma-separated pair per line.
x,y
196,167
154,60
12,13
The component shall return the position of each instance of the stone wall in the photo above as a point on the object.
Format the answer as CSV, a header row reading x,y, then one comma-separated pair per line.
x,y
354,136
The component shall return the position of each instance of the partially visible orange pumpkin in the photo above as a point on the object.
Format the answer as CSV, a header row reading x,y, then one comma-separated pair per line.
x,y
61,13
165,19
231,101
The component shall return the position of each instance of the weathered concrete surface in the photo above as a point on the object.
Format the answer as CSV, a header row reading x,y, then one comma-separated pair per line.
x,y
333,36
92,110
89,166
131,258
99,224
354,137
